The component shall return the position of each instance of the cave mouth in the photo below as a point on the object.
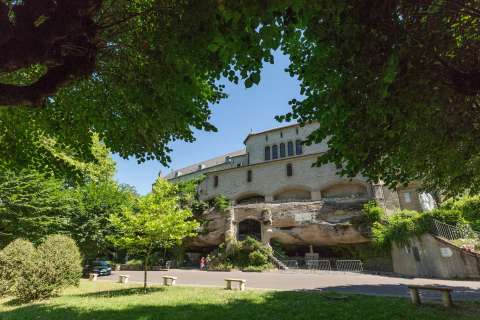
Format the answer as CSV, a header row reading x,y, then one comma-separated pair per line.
x,y
250,227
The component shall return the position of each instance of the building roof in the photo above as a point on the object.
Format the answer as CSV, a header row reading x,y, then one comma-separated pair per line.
x,y
206,164
270,130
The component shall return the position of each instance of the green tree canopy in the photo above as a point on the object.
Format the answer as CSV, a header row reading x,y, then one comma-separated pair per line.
x,y
157,221
394,84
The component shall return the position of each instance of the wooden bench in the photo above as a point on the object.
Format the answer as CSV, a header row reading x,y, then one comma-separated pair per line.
x,y
92,276
241,283
169,280
446,294
123,278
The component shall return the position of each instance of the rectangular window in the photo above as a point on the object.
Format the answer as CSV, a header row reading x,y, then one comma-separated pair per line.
x,y
282,150
267,153
290,148
249,176
215,181
407,197
298,147
275,152
289,170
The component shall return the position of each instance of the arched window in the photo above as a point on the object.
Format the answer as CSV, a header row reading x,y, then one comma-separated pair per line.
x,y
267,153
274,151
289,170
298,147
290,148
249,176
282,150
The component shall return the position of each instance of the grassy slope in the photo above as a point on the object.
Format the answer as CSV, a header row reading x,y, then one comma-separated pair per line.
x,y
112,301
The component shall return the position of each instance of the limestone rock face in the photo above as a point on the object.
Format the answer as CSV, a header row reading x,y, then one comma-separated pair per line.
x,y
318,223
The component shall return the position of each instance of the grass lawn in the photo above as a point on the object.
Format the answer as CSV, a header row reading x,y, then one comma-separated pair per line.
x,y
112,301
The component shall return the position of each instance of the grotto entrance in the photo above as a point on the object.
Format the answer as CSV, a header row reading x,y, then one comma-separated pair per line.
x,y
250,227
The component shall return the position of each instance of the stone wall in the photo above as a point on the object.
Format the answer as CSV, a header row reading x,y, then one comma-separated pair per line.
x,y
317,223
430,256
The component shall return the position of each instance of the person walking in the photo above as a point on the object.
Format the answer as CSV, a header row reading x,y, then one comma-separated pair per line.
x,y
202,263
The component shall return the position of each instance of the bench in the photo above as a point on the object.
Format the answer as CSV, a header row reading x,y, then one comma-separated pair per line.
x,y
123,278
169,280
241,283
446,294
92,276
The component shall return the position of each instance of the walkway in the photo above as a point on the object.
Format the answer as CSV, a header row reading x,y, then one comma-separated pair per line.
x,y
323,281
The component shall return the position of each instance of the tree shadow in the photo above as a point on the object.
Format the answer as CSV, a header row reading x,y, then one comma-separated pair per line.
x,y
288,305
401,290
122,292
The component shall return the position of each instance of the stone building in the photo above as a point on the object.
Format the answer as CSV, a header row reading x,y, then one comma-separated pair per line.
x,y
276,193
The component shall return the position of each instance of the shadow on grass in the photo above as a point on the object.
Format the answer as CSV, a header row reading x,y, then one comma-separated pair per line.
x,y
137,291
181,303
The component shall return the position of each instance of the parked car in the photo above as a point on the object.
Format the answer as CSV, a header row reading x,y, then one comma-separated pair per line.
x,y
100,267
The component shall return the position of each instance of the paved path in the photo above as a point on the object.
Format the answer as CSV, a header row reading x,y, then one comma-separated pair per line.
x,y
324,281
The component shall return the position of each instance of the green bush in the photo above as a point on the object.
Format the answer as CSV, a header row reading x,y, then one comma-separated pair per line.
x,y
372,212
468,207
241,254
257,258
221,203
44,271
14,258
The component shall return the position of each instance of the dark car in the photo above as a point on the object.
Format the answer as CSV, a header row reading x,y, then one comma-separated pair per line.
x,y
100,267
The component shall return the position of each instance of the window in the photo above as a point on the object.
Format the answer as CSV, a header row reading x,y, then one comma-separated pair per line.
x,y
274,151
267,153
290,148
296,130
249,176
215,181
407,197
289,170
282,150
298,147
281,134
266,137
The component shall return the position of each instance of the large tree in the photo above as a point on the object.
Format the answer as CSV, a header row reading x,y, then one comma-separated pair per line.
x,y
395,87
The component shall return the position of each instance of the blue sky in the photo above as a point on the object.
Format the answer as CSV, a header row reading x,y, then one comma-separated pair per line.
x,y
244,110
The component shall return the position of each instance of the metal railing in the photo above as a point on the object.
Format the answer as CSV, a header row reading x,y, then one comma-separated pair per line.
x,y
318,265
450,232
349,265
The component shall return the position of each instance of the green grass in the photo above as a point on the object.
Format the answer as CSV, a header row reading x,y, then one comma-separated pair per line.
x,y
111,301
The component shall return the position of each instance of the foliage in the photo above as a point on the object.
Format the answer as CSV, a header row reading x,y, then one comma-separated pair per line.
x,y
14,258
42,272
469,206
372,212
33,205
156,221
91,225
221,203
187,192
365,69
246,254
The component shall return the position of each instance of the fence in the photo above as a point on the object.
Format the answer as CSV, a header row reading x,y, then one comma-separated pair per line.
x,y
450,232
349,265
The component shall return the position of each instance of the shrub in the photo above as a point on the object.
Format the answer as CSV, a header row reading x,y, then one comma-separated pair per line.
x,y
372,212
241,254
54,265
257,258
15,258
221,203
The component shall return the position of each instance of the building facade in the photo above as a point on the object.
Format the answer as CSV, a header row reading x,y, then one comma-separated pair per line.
x,y
277,193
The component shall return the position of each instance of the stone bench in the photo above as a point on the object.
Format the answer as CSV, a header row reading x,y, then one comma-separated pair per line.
x,y
92,276
123,278
169,280
446,294
241,283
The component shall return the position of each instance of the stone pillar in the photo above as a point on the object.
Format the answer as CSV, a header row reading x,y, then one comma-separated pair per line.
x,y
266,227
269,198
316,195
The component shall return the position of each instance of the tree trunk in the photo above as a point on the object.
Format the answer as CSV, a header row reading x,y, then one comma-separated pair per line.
x,y
145,266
